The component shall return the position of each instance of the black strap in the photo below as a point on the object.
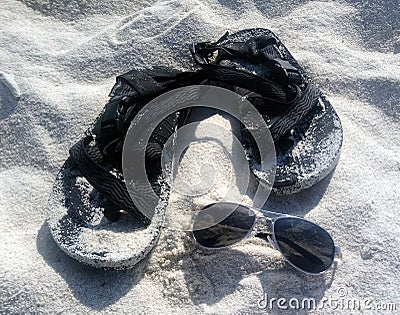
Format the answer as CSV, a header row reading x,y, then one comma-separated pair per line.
x,y
250,82
102,180
130,93
148,82
143,83
257,50
303,105
296,108
282,89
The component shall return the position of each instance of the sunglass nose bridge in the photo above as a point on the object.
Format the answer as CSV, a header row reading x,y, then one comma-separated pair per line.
x,y
263,225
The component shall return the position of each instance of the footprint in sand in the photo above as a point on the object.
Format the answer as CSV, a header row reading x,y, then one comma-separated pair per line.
x,y
152,22
9,94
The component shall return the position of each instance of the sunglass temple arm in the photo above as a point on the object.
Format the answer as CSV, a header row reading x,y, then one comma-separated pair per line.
x,y
338,253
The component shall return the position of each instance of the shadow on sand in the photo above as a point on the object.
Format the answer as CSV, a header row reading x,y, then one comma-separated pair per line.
x,y
203,268
95,288
301,203
212,275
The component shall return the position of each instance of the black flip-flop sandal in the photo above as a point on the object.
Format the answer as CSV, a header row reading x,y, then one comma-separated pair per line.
x,y
89,197
84,211
305,128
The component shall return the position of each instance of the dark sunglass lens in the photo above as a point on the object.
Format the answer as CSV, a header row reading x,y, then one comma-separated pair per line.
x,y
304,244
222,224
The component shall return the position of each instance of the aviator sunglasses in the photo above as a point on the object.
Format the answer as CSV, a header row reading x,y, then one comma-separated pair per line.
x,y
305,245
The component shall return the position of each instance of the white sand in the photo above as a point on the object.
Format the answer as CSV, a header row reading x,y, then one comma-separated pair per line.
x,y
64,58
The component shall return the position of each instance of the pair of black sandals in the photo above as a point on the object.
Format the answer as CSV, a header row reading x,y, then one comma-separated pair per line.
x,y
84,210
